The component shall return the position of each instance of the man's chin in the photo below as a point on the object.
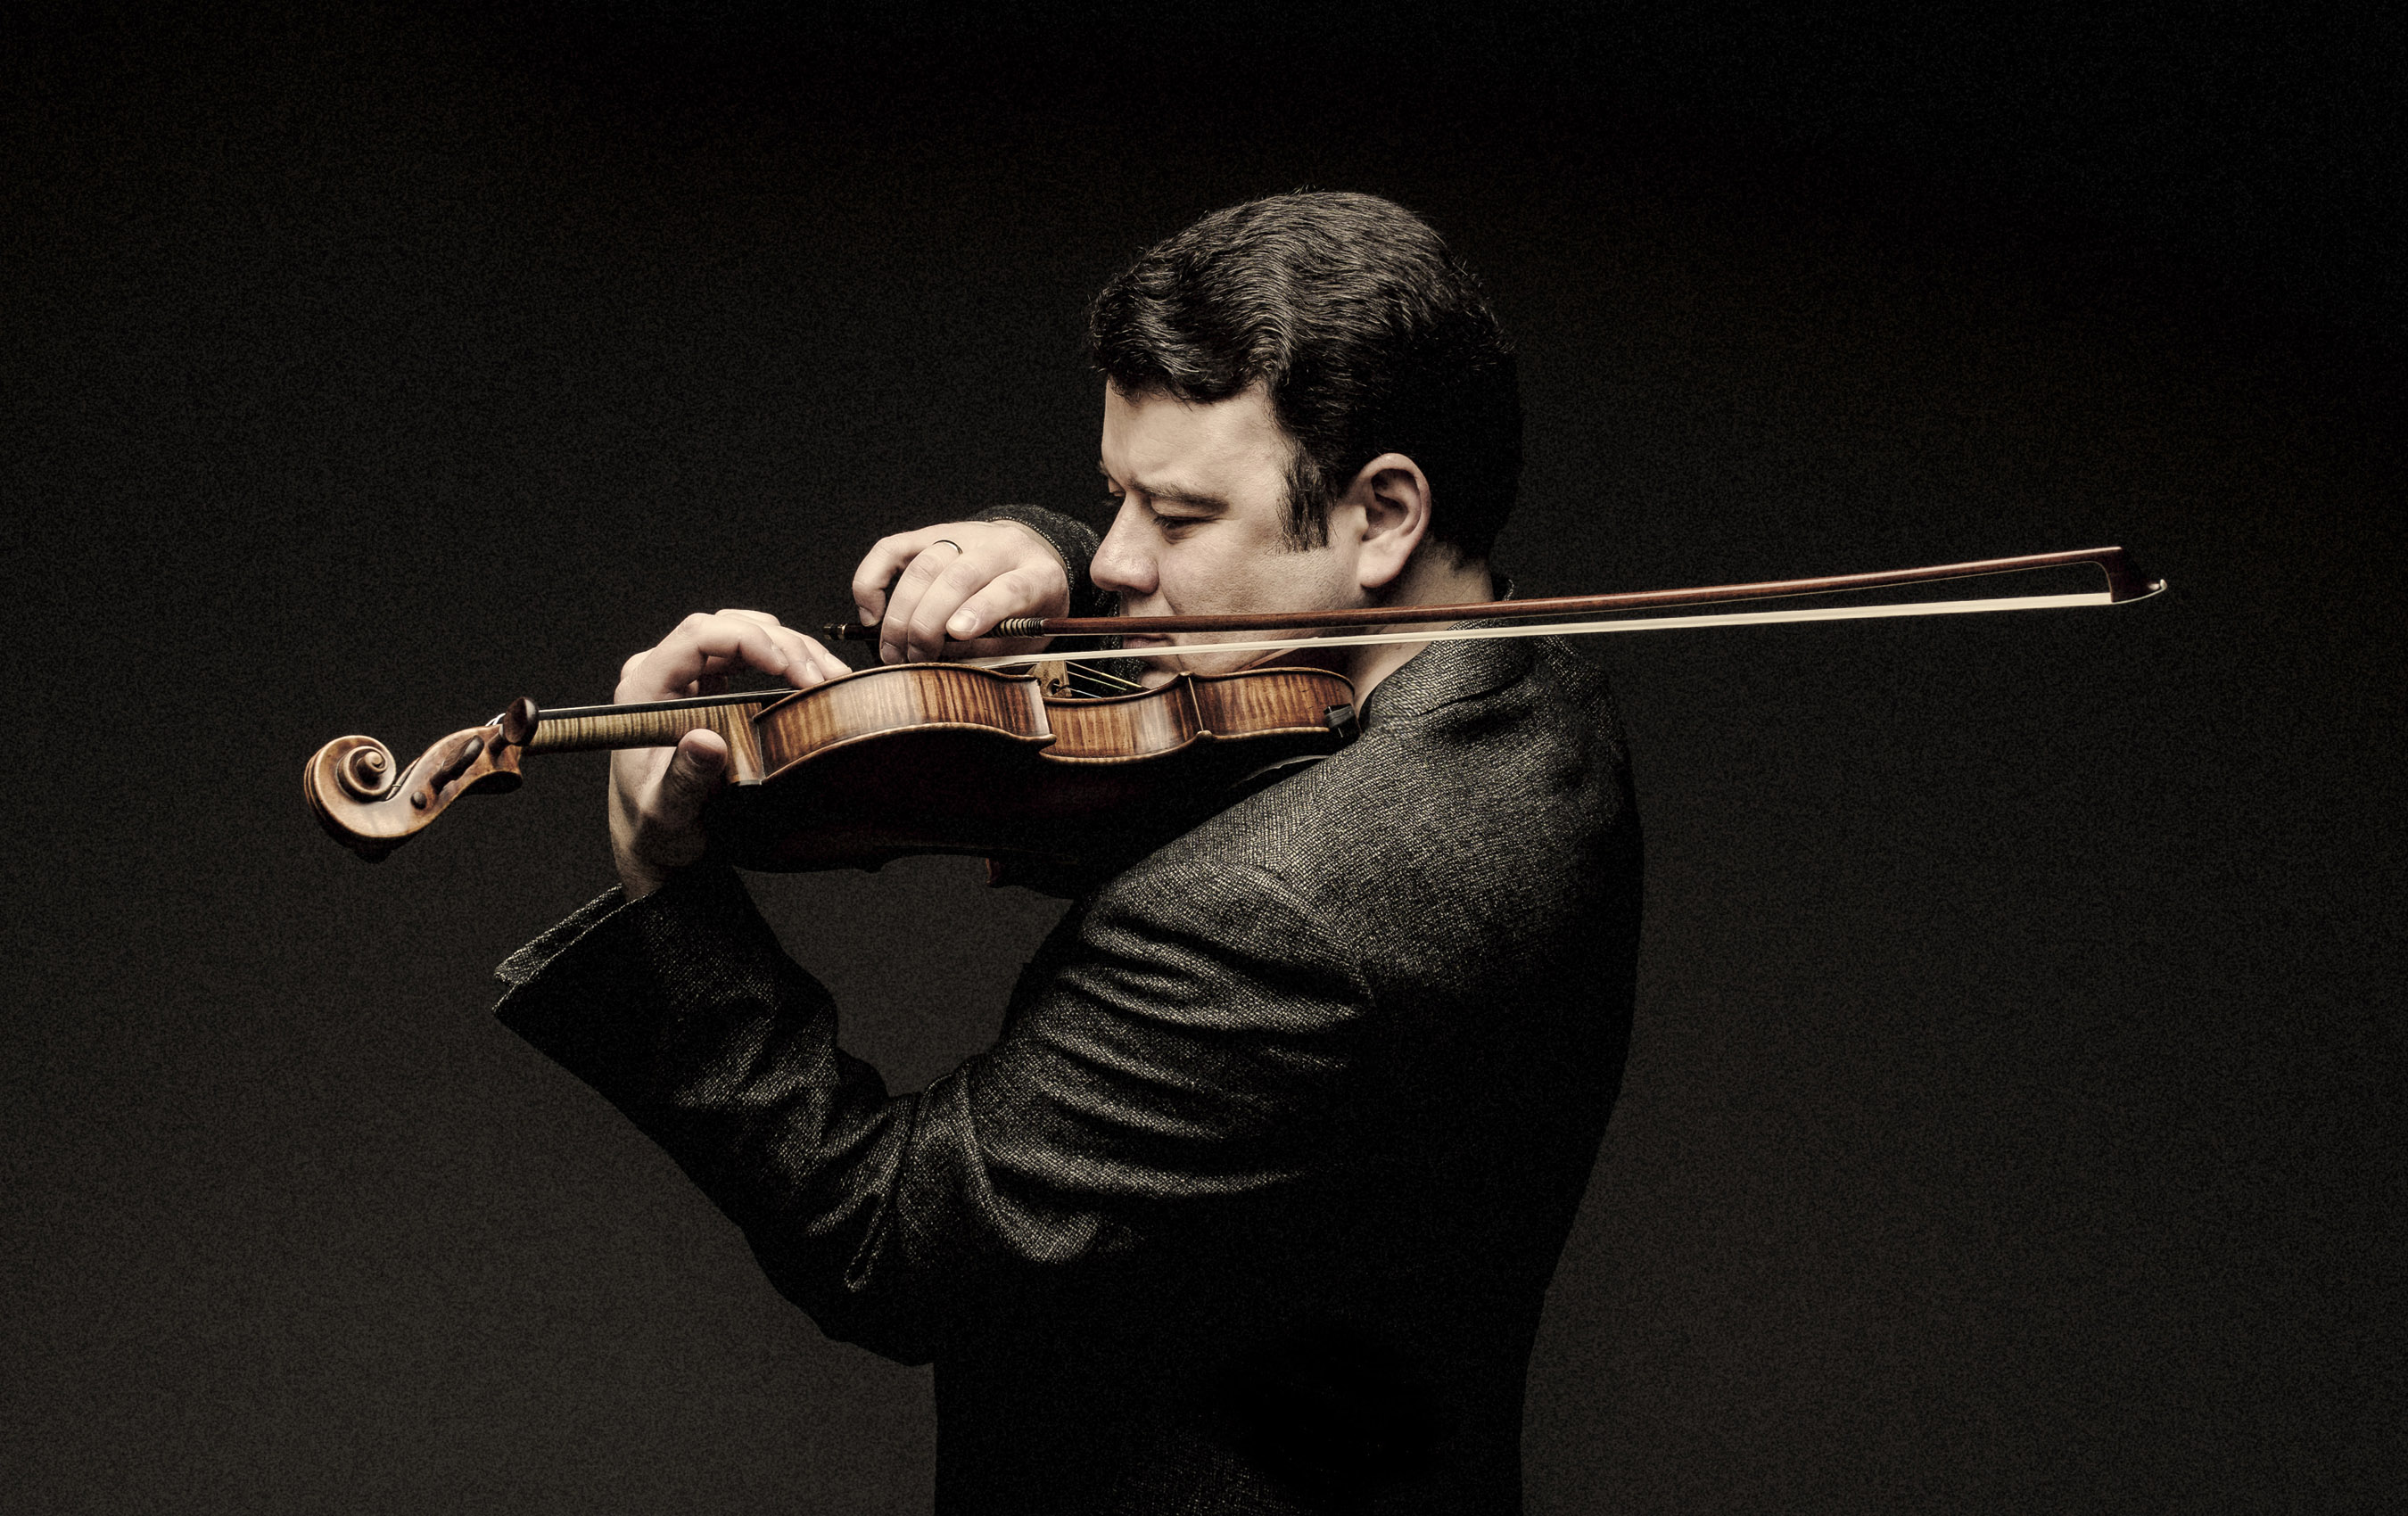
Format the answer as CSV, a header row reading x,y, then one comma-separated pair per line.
x,y
1164,658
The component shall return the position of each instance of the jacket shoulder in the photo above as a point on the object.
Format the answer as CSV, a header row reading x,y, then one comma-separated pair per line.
x,y
1492,805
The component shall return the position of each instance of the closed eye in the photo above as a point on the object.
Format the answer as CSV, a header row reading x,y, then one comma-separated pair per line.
x,y
1171,520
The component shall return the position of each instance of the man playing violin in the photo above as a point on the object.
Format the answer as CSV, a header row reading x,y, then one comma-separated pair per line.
x,y
1253,1205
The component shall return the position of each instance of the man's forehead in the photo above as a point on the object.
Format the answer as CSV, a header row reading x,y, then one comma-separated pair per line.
x,y
1178,446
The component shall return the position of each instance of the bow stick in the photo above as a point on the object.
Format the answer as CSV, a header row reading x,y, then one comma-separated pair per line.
x,y
2125,583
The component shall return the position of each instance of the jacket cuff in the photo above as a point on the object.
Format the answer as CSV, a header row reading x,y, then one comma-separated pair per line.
x,y
596,993
527,965
1075,541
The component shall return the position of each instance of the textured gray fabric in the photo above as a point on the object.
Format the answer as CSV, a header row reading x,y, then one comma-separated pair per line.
x,y
1253,1205
1075,541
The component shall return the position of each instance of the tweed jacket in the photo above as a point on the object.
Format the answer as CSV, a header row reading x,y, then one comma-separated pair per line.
x,y
1253,1203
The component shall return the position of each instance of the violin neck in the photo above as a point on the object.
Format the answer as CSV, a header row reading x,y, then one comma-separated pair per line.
x,y
600,728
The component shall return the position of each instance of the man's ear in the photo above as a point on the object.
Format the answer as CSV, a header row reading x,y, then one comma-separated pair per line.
x,y
1394,498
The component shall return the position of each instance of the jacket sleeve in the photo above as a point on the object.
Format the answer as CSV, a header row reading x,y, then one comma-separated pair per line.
x,y
1159,1054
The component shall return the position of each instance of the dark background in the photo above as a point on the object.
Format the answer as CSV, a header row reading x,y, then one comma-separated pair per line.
x,y
2013,1115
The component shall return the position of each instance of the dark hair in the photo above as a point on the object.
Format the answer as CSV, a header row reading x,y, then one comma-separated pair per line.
x,y
1370,336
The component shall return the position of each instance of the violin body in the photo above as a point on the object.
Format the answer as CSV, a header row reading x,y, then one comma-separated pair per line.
x,y
952,759
897,761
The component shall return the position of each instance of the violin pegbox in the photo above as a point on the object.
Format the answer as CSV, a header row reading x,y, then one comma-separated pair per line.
x,y
371,805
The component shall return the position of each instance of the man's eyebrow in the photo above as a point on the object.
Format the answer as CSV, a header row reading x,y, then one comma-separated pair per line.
x,y
1197,498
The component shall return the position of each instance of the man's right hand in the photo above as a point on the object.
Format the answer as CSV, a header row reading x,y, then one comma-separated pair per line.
x,y
949,583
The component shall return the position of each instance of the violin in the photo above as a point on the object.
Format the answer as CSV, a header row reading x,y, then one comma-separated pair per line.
x,y
971,758
894,761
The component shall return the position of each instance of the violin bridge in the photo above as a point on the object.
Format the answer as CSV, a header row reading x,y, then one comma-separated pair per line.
x,y
1053,675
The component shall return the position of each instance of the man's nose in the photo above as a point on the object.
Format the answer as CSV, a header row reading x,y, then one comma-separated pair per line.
x,y
1122,564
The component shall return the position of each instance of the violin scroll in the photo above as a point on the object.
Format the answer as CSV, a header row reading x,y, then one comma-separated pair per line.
x,y
371,805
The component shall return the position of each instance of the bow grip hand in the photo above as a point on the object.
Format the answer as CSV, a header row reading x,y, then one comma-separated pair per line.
x,y
932,592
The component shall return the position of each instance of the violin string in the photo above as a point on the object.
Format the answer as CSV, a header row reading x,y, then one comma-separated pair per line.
x,y
1104,676
594,728
1643,624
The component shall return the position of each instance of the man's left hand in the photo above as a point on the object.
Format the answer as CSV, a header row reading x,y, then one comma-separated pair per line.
x,y
657,793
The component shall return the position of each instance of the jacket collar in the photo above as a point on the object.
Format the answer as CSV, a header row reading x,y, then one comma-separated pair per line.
x,y
1444,673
